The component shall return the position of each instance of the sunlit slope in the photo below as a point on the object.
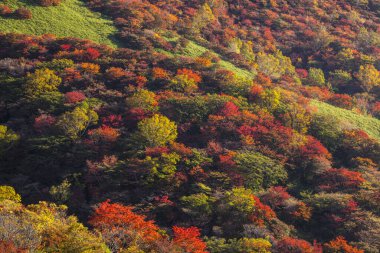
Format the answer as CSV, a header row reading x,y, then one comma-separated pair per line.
x,y
70,19
366,123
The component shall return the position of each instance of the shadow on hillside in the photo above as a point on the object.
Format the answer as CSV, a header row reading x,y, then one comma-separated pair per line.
x,y
30,2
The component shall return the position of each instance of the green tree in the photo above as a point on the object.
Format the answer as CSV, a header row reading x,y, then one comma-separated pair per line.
x,y
339,77
203,17
259,171
157,130
327,129
57,64
41,81
316,77
197,204
369,77
61,193
163,168
367,40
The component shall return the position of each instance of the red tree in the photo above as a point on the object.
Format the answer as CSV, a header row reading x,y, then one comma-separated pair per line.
x,y
74,97
120,226
188,239
339,244
291,245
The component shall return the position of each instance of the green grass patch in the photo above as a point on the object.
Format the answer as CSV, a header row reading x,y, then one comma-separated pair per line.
x,y
194,50
366,123
70,19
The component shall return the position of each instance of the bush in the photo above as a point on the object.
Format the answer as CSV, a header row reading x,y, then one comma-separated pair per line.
x,y
23,13
342,100
5,10
316,77
47,3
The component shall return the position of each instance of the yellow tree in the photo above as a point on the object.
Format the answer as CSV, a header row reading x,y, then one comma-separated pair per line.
x,y
369,77
74,123
7,138
41,81
43,227
202,18
157,130
8,192
143,99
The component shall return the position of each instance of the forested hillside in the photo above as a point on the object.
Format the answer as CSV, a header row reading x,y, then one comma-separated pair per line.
x,y
245,126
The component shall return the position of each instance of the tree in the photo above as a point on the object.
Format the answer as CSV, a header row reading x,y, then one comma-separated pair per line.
x,y
326,129
157,130
340,245
9,193
258,170
143,99
339,78
7,138
203,17
185,81
241,200
104,135
74,123
61,193
369,77
297,117
270,99
74,97
254,245
41,81
316,77
189,239
291,245
275,65
162,168
122,228
243,245
342,100
341,180
43,227
114,73
198,206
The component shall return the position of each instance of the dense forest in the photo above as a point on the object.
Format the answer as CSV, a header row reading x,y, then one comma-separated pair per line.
x,y
198,126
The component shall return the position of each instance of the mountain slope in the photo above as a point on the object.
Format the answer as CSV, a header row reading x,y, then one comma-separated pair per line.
x,y
70,19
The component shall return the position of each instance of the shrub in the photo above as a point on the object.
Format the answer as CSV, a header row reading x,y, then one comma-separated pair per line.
x,y
316,77
340,244
291,245
342,100
23,13
46,3
7,138
5,10
74,97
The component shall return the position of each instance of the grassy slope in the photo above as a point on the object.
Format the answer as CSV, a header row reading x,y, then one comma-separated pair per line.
x,y
70,19
195,50
366,123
